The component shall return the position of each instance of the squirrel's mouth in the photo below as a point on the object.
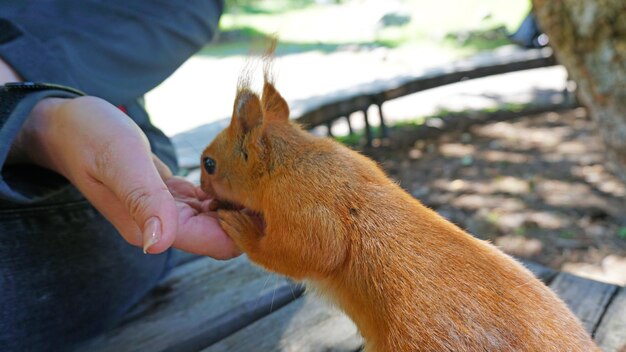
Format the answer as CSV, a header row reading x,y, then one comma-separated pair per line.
x,y
218,204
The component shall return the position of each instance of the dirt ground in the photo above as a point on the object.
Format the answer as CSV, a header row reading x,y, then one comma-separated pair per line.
x,y
536,186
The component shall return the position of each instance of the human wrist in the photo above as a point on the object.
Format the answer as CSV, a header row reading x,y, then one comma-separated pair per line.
x,y
32,145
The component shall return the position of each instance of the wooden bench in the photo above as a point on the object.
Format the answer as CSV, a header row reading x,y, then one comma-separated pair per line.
x,y
209,305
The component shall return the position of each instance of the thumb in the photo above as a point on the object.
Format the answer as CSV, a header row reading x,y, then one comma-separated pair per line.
x,y
134,179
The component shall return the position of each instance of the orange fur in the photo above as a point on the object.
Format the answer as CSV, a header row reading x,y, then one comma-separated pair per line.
x,y
409,279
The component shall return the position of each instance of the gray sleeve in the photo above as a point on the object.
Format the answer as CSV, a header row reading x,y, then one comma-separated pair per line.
x,y
116,50
13,112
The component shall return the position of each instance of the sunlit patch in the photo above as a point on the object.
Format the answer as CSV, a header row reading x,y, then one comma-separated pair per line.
x,y
600,178
612,269
541,219
568,194
519,246
475,201
513,185
457,185
546,220
460,185
523,137
571,147
509,157
457,150
415,154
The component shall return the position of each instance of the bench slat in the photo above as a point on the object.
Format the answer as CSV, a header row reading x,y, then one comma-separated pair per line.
x,y
305,325
310,325
196,304
543,273
182,257
586,298
611,333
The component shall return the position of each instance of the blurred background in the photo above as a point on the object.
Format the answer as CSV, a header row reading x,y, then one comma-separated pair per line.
x,y
532,177
327,46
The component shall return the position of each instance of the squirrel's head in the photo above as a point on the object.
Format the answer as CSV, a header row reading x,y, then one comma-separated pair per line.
x,y
240,156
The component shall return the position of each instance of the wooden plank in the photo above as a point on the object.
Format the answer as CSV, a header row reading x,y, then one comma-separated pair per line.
x,y
543,273
309,325
180,257
197,304
586,298
611,333
305,325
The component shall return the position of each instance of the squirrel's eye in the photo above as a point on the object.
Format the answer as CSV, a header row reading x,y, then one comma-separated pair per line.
x,y
209,165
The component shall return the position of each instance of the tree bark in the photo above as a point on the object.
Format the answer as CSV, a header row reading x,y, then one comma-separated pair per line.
x,y
589,39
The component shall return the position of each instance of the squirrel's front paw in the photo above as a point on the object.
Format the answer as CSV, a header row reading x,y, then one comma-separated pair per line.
x,y
242,228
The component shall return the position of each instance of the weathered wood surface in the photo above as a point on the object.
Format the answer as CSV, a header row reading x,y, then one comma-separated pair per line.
x,y
235,306
305,325
310,325
586,298
181,257
543,273
611,333
197,304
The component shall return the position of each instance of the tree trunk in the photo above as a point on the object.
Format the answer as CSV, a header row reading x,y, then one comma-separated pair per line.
x,y
589,39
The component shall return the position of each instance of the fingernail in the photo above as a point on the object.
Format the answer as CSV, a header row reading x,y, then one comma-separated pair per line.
x,y
151,233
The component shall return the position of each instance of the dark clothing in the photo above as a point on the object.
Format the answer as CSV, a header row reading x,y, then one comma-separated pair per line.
x,y
112,49
65,273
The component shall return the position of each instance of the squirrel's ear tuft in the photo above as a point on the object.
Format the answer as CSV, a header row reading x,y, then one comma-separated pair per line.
x,y
247,112
274,105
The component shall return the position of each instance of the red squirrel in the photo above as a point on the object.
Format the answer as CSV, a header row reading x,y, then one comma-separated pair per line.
x,y
312,209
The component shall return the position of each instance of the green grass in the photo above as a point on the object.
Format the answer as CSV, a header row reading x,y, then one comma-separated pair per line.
x,y
304,25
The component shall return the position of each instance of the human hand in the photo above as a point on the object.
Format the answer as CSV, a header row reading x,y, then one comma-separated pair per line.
x,y
107,157
195,219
